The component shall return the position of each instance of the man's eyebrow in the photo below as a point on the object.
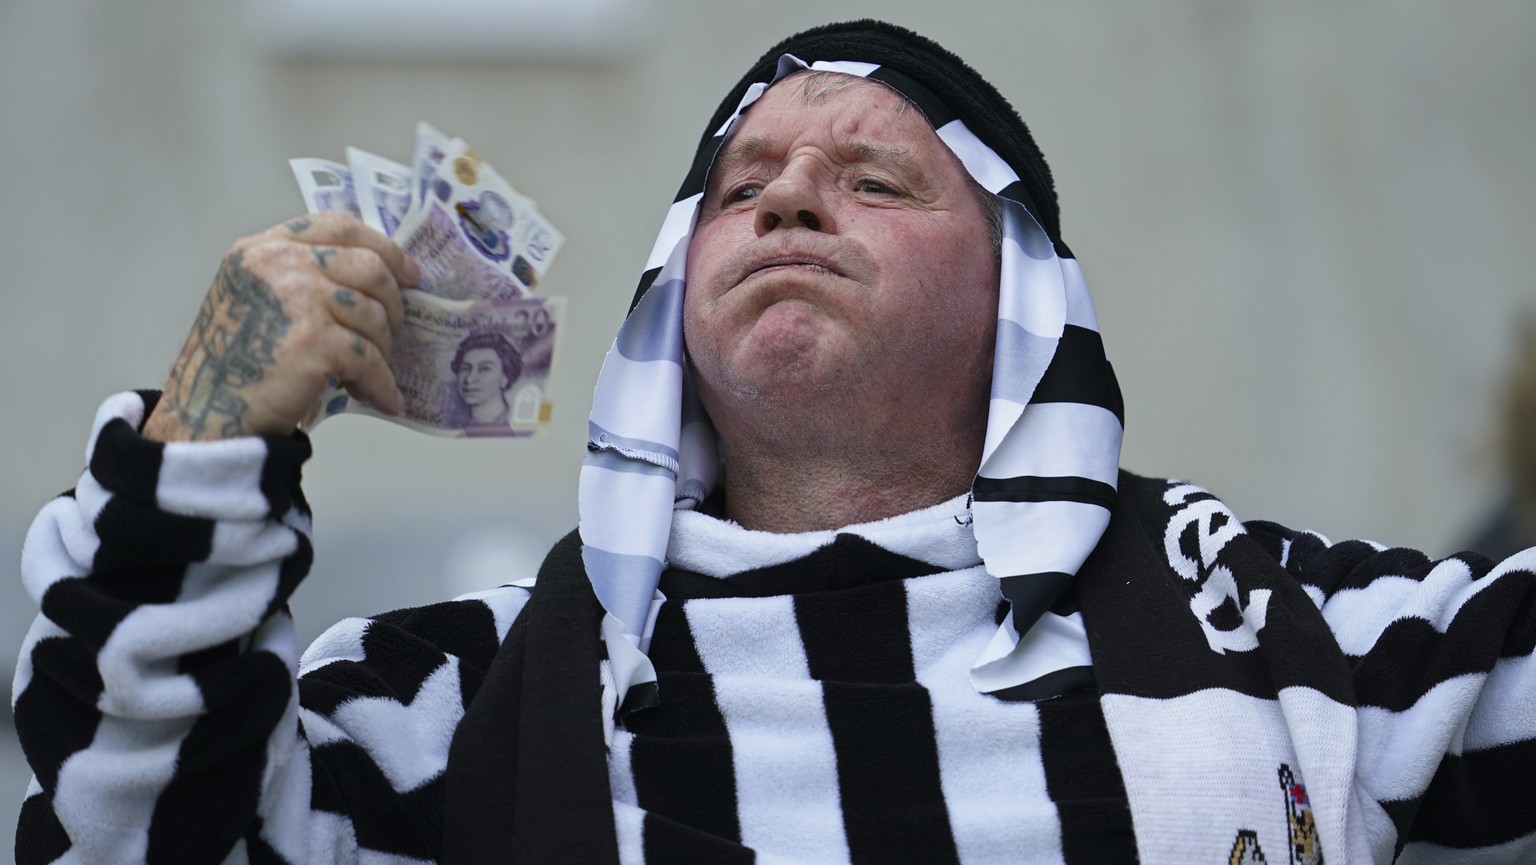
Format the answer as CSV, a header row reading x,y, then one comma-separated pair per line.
x,y
898,158
740,152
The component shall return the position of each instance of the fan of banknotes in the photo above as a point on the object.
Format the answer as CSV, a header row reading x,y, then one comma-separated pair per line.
x,y
474,356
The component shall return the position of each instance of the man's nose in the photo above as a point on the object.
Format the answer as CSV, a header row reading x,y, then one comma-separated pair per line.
x,y
793,199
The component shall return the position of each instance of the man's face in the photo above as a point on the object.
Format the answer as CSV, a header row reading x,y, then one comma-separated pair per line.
x,y
841,253
481,377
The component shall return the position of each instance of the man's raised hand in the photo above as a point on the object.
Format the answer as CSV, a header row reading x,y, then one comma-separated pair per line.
x,y
314,298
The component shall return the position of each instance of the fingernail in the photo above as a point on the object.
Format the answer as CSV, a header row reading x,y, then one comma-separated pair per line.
x,y
412,272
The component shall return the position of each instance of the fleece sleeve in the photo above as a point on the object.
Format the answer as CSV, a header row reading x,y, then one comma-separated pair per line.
x,y
156,696
1443,655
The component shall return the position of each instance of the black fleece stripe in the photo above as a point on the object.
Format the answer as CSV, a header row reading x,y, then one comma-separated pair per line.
x,y
56,714
1083,779
1034,488
1080,373
681,754
857,644
40,837
894,808
125,463
666,842
932,107
207,807
134,533
348,782
1479,798
257,850
280,471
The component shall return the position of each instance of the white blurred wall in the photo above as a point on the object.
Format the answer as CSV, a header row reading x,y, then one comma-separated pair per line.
x,y
1306,226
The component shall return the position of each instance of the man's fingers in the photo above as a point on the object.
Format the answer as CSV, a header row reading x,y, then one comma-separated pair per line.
x,y
359,362
361,272
359,312
344,229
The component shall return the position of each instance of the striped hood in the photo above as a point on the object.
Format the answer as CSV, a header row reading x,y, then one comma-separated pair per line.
x,y
1042,496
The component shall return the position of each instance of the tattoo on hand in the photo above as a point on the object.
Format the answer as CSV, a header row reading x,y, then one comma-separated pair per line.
x,y
346,297
299,226
233,343
323,254
358,347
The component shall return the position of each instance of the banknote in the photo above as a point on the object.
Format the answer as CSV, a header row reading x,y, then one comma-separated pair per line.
x,y
325,185
383,189
432,147
502,225
452,267
468,368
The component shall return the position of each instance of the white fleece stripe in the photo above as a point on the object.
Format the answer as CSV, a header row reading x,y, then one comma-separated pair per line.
x,y
629,823
1058,439
1079,305
639,400
1358,617
774,651
981,161
1046,536
59,545
408,742
107,792
342,641
1519,850
285,803
125,405
621,772
252,542
989,750
674,229
786,768
1505,712
41,629
375,857
214,480
504,602
1400,751
91,498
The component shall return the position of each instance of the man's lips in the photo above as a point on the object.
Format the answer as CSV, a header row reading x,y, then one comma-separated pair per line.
x,y
791,261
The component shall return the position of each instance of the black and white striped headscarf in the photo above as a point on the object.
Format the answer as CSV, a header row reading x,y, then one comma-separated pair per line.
x,y
1050,462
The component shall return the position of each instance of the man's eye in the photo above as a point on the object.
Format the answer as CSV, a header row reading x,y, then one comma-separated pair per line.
x,y
874,187
742,193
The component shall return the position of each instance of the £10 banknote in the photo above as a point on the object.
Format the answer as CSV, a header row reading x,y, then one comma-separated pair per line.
x,y
474,355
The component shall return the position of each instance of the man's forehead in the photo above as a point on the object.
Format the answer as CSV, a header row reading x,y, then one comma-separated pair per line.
x,y
797,103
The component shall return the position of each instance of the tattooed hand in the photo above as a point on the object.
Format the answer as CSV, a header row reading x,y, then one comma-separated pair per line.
x,y
290,307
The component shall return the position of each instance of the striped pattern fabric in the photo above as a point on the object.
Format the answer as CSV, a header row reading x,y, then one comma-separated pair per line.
x,y
1047,478
1257,691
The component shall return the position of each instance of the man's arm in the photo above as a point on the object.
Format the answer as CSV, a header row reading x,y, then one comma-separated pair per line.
x,y
156,698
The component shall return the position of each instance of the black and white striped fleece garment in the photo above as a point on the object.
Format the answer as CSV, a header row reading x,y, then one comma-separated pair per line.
x,y
1262,693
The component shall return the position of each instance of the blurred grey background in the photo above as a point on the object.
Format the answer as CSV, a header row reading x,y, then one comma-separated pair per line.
x,y
1308,228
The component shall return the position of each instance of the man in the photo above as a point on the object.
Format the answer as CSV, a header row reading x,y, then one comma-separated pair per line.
x,y
857,577
485,366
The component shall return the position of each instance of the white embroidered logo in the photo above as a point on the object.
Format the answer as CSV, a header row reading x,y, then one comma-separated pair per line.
x,y
1213,586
